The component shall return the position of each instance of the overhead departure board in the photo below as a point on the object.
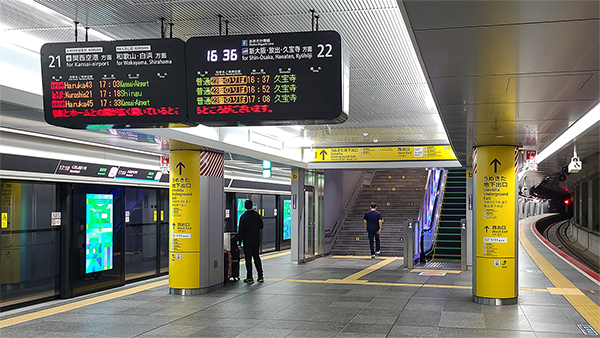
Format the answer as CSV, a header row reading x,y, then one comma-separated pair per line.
x,y
133,83
268,79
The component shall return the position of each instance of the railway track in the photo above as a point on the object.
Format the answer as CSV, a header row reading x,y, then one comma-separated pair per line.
x,y
557,235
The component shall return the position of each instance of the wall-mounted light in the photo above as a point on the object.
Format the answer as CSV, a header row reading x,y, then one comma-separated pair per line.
x,y
266,165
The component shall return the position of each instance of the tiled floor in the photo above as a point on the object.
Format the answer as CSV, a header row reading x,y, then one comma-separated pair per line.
x,y
319,299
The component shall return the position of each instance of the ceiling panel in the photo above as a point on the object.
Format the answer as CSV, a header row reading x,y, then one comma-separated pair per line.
x,y
574,86
387,86
508,72
518,49
455,14
499,69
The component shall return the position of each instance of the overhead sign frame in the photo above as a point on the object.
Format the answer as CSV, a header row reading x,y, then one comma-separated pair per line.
x,y
383,153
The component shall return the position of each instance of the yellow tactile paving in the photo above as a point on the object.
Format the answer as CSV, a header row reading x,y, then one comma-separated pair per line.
x,y
262,258
356,276
429,270
76,305
364,257
585,306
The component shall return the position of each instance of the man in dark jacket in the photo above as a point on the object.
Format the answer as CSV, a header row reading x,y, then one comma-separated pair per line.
x,y
250,225
373,222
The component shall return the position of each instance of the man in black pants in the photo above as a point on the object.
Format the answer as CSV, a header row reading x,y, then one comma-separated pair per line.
x,y
373,222
250,225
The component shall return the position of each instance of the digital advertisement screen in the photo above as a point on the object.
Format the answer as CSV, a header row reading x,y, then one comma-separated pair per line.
x,y
287,219
267,79
98,233
240,211
123,84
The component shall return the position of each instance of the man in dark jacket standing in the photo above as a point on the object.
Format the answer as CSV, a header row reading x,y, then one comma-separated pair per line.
x,y
373,222
250,225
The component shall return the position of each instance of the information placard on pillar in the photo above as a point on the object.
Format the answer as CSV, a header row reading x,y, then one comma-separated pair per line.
x,y
184,231
495,275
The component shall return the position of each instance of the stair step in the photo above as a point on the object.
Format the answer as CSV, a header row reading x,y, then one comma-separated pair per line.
x,y
405,202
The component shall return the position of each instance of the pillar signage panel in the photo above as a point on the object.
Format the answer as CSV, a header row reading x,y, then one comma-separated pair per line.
x,y
496,233
184,230
394,153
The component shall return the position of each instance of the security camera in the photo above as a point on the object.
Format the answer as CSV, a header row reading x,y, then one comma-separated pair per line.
x,y
575,166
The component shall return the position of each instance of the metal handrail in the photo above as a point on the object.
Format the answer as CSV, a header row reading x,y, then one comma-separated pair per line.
x,y
437,209
419,220
423,224
358,184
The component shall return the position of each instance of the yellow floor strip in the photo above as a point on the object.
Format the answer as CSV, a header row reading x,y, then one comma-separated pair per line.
x,y
585,306
67,307
365,282
361,273
365,257
262,258
429,270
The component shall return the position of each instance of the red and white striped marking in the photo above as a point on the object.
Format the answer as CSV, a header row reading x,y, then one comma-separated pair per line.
x,y
475,161
516,160
211,164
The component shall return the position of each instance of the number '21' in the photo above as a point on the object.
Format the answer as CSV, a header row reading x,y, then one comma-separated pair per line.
x,y
54,59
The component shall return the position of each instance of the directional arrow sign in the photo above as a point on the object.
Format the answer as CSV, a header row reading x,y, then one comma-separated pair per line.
x,y
486,228
323,152
180,166
495,162
495,127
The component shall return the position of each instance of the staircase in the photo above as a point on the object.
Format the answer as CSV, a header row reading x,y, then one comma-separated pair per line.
x,y
398,194
447,245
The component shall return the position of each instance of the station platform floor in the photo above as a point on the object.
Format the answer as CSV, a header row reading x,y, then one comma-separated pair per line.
x,y
331,297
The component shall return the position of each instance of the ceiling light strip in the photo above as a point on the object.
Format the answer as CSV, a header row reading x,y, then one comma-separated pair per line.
x,y
58,138
584,123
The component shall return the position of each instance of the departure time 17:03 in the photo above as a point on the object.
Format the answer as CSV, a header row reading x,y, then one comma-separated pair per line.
x,y
212,55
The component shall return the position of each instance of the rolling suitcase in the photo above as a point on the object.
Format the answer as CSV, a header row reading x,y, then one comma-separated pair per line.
x,y
235,261
227,265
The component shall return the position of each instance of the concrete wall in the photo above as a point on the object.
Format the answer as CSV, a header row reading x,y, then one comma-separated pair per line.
x,y
338,186
586,238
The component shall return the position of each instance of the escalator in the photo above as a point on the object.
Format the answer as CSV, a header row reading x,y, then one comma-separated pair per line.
x,y
447,245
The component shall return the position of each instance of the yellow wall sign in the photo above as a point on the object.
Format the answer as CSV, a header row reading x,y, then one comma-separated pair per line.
x,y
294,176
469,174
396,153
184,230
4,220
496,237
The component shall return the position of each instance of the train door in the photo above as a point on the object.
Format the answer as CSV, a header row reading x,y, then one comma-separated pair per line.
x,y
269,209
163,225
96,249
30,246
309,221
141,217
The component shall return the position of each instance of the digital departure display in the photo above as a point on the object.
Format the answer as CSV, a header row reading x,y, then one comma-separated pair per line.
x,y
99,232
138,174
133,83
267,79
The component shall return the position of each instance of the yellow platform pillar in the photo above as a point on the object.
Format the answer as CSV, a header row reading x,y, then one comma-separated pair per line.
x,y
495,268
196,231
